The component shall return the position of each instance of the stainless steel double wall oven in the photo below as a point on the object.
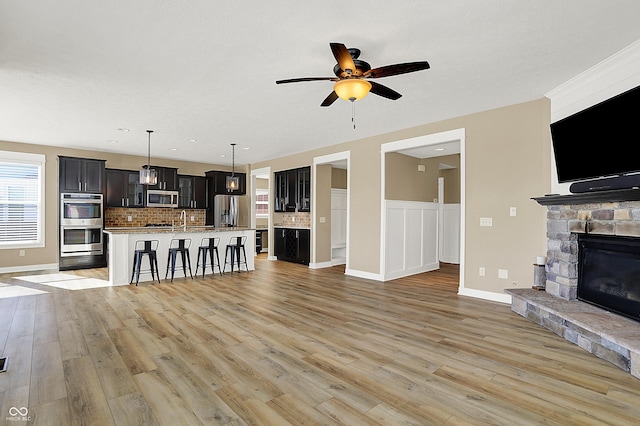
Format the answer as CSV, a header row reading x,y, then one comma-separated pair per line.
x,y
81,226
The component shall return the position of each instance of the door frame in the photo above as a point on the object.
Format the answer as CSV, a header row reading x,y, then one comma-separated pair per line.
x,y
417,142
338,157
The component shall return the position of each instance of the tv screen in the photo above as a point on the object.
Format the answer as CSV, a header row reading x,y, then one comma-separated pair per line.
x,y
600,140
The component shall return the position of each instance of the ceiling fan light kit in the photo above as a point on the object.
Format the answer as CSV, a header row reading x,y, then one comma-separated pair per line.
x,y
352,89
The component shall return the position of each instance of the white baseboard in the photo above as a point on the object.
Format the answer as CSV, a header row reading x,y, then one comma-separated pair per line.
x,y
362,274
320,265
29,268
485,295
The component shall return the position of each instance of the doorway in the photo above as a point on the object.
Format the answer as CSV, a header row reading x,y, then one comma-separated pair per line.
x,y
323,252
433,145
261,214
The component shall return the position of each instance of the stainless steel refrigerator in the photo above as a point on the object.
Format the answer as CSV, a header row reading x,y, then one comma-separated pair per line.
x,y
226,211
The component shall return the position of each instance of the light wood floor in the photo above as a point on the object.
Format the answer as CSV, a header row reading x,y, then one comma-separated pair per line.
x,y
288,345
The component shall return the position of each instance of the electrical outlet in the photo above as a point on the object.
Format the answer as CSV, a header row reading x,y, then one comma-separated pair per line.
x,y
503,273
129,218
486,221
193,218
21,252
481,271
512,211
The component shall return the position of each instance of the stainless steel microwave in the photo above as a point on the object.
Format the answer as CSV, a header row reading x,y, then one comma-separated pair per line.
x,y
159,198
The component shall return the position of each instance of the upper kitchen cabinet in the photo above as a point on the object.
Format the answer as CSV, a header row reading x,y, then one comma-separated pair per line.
x,y
81,175
124,189
303,198
218,182
167,179
192,192
293,190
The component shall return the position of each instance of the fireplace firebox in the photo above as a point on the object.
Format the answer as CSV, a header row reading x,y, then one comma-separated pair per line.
x,y
609,273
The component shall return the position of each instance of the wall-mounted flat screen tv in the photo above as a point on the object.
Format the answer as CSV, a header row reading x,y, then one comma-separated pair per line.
x,y
599,141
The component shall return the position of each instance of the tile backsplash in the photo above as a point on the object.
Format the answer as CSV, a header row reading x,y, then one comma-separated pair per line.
x,y
116,217
296,220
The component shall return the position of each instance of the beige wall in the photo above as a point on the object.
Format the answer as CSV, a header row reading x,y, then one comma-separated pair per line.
x,y
9,258
323,210
507,161
338,178
405,182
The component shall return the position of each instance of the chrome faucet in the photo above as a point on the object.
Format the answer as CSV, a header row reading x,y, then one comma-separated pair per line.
x,y
183,216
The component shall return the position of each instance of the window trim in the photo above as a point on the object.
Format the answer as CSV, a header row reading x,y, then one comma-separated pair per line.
x,y
40,161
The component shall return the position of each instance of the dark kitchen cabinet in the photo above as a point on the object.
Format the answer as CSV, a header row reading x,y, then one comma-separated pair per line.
x,y
123,188
81,175
303,187
293,190
192,192
292,245
218,182
167,179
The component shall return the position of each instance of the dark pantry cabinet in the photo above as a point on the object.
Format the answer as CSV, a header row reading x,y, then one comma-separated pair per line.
x,y
81,174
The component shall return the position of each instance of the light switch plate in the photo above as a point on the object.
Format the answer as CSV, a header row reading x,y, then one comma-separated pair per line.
x,y
486,221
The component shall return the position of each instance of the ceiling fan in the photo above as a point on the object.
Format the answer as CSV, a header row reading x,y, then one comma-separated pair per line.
x,y
352,74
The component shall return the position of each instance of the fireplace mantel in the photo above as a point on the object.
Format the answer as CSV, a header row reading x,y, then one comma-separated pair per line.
x,y
631,194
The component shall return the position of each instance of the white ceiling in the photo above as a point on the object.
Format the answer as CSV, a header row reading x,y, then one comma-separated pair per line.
x,y
73,72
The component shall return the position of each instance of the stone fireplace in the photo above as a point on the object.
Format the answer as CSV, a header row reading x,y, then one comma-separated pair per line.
x,y
610,336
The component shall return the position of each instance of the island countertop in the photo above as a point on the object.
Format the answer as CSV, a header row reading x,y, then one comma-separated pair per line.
x,y
173,229
122,240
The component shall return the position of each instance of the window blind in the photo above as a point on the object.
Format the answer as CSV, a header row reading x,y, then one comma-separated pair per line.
x,y
20,203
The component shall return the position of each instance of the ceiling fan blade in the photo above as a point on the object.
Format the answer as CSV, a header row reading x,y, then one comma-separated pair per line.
x,y
342,55
329,99
384,91
296,80
396,69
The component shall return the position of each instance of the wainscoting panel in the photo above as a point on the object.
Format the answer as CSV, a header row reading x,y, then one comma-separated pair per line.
x,y
411,238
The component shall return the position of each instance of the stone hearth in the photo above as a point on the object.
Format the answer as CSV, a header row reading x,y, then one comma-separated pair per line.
x,y
609,336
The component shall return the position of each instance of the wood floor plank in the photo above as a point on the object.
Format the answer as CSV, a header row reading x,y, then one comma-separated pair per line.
x,y
286,344
87,401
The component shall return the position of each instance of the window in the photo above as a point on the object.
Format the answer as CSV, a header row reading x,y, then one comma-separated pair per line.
x,y
262,202
21,200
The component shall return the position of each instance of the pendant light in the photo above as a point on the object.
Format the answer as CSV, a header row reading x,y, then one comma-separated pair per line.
x,y
233,181
148,176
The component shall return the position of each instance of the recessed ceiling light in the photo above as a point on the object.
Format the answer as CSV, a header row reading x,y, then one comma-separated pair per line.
x,y
440,149
173,149
123,129
192,140
222,155
113,141
246,148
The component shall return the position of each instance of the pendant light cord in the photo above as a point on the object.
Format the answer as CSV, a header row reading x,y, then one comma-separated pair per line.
x,y
233,159
149,150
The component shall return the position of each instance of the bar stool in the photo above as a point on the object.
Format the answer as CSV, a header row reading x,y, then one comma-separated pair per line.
x,y
208,246
145,247
179,245
235,247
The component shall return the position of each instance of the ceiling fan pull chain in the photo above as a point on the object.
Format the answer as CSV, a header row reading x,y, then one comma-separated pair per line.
x,y
353,114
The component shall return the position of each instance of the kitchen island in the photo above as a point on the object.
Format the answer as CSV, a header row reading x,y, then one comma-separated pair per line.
x,y
121,245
